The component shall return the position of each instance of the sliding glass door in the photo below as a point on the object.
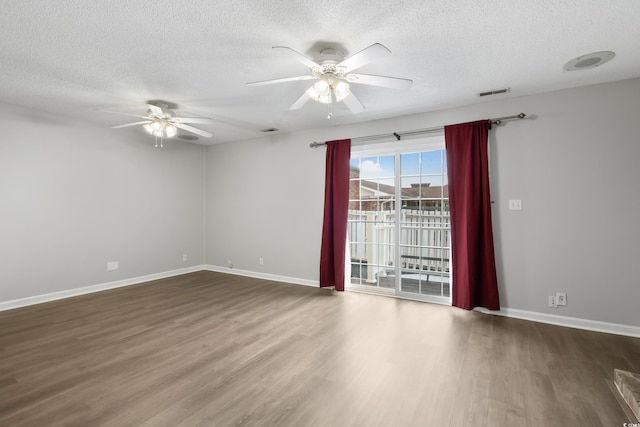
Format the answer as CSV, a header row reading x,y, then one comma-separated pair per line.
x,y
399,232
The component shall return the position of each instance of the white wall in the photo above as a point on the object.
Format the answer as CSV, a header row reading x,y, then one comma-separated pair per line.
x,y
74,196
265,199
573,163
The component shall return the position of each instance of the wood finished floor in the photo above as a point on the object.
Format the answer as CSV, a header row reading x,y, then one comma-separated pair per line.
x,y
208,349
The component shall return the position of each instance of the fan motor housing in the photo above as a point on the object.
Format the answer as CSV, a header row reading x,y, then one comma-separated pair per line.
x,y
329,56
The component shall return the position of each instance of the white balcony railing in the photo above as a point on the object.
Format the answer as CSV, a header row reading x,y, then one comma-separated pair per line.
x,y
424,243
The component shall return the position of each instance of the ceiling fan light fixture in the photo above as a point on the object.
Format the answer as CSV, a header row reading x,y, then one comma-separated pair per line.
x,y
333,71
161,123
341,90
170,130
161,129
323,97
326,88
322,86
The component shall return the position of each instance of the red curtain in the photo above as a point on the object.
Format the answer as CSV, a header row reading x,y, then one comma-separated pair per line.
x,y
473,261
336,204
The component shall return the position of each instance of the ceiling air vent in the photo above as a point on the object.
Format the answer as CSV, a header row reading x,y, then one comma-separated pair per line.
x,y
495,92
270,130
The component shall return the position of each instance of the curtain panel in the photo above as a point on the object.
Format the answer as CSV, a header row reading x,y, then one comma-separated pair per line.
x,y
474,280
336,205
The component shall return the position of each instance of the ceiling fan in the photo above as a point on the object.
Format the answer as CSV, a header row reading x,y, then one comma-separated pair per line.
x,y
161,122
334,73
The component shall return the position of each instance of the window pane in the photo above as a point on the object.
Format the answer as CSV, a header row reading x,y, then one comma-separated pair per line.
x,y
431,163
369,168
410,164
410,281
356,250
433,259
372,168
433,284
354,194
376,189
358,271
410,187
410,257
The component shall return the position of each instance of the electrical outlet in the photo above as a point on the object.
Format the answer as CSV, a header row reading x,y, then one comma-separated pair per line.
x,y
112,265
561,298
184,257
229,264
261,261
552,301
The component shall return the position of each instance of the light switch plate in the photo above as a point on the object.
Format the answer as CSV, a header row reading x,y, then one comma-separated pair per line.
x,y
515,205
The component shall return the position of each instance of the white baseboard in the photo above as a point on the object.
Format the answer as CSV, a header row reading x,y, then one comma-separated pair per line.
x,y
258,275
23,302
570,322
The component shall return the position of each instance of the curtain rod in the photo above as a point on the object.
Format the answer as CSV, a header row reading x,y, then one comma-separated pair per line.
x,y
399,135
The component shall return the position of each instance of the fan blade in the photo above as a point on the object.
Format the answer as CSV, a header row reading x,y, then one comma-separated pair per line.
x,y
130,124
193,130
156,110
384,81
300,57
353,103
300,102
288,79
366,55
192,120
124,114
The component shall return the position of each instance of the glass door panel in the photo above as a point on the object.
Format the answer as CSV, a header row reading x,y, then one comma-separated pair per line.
x,y
399,232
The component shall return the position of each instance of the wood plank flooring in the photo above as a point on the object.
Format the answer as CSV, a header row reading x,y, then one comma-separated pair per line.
x,y
209,349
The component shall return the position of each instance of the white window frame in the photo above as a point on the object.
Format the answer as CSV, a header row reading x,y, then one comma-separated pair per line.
x,y
396,148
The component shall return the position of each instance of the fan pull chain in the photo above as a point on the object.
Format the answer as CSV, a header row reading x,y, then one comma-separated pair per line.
x,y
330,103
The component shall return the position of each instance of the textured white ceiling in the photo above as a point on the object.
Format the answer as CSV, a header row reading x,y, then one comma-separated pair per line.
x,y
72,56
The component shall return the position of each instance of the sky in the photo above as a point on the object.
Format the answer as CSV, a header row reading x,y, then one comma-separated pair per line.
x,y
412,165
